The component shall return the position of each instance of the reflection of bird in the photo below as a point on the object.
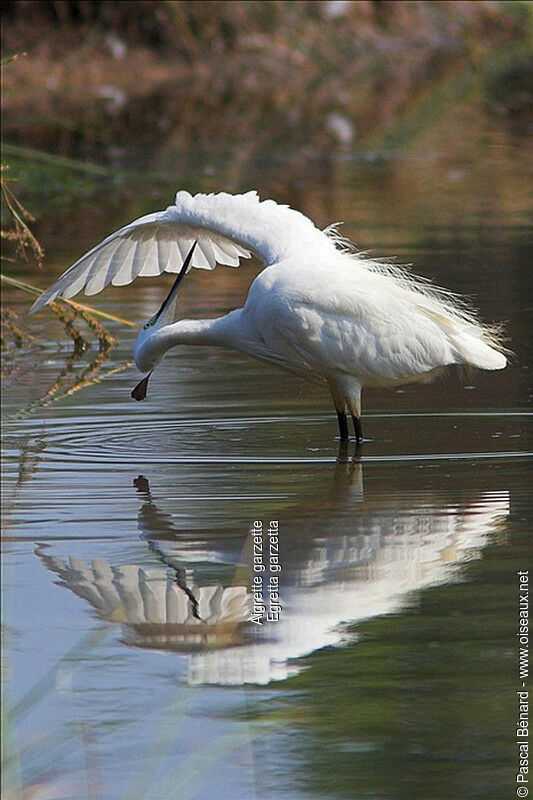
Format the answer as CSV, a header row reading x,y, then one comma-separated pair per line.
x,y
160,608
154,610
346,560
317,309
334,573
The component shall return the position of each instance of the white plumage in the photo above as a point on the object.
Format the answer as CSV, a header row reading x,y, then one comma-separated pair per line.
x,y
226,227
327,580
318,309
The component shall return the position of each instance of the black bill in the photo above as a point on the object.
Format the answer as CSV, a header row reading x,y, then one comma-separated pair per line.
x,y
139,393
176,283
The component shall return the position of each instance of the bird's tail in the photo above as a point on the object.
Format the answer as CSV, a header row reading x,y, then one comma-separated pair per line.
x,y
475,351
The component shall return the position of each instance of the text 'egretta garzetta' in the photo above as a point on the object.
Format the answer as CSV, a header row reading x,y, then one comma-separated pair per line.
x,y
317,309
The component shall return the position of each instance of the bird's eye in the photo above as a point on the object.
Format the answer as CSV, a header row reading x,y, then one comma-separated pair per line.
x,y
149,324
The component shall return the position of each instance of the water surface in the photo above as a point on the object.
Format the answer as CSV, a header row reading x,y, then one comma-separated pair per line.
x,y
133,669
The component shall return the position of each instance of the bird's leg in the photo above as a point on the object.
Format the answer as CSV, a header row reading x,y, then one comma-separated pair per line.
x,y
342,456
339,401
343,426
358,429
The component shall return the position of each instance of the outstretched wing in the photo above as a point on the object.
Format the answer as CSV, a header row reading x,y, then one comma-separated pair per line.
x,y
226,228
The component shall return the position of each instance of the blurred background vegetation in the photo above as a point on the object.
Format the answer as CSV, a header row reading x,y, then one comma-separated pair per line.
x,y
183,87
109,107
317,74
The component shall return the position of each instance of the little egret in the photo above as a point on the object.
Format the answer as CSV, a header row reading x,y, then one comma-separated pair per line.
x,y
318,309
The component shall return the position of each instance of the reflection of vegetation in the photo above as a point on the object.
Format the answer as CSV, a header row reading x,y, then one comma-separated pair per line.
x,y
31,454
70,380
45,751
421,705
17,335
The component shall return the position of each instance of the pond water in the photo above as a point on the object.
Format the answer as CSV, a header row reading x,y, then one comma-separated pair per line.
x,y
133,670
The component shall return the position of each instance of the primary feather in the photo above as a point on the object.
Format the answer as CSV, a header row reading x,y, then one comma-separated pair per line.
x,y
226,228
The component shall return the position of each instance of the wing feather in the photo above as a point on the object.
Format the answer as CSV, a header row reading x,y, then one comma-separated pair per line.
x,y
208,252
100,274
122,265
226,228
223,257
144,256
201,259
77,284
183,246
163,258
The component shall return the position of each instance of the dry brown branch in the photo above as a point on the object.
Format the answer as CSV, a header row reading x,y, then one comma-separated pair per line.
x,y
21,235
18,335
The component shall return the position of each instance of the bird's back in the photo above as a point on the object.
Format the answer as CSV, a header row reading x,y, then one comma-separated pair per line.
x,y
369,320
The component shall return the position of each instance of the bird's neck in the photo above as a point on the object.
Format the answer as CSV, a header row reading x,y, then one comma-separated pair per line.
x,y
151,345
217,331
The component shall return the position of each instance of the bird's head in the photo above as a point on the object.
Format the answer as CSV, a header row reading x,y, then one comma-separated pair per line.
x,y
150,344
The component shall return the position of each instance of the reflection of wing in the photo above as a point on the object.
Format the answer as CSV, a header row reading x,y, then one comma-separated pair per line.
x,y
155,611
387,549
350,578
226,227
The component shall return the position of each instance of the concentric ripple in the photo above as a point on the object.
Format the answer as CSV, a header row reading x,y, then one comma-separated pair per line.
x,y
165,439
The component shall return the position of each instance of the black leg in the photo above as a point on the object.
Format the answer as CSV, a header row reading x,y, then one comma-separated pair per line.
x,y
343,426
358,429
342,455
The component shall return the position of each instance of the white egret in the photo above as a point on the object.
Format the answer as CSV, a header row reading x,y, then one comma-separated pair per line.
x,y
317,309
